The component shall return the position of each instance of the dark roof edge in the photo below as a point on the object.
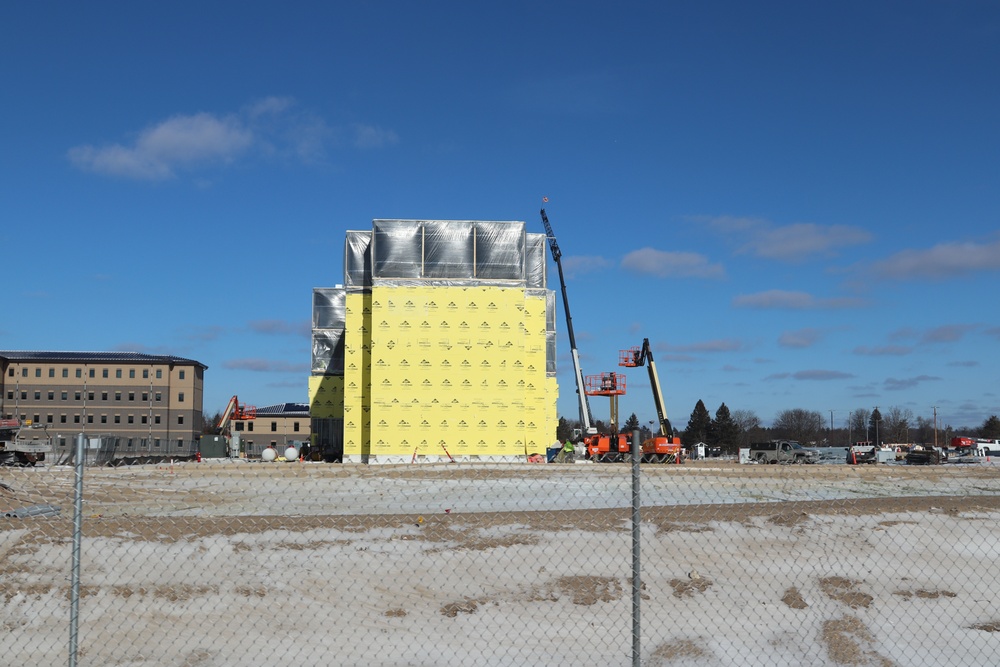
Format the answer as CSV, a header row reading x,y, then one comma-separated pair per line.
x,y
105,357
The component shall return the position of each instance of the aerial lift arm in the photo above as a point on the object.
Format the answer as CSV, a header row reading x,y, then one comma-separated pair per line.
x,y
227,415
644,357
586,417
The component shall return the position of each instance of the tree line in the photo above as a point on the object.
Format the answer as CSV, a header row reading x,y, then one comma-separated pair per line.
x,y
731,430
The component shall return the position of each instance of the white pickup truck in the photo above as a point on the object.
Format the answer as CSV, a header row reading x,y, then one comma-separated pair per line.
x,y
782,451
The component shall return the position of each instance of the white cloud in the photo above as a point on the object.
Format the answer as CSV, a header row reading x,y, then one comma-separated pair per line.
x,y
821,375
281,327
268,127
582,264
945,260
716,345
894,384
802,338
176,142
264,366
800,241
369,136
948,333
883,350
664,264
792,300
793,243
270,106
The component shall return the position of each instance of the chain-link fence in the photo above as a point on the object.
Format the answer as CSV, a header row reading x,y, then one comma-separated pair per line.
x,y
233,562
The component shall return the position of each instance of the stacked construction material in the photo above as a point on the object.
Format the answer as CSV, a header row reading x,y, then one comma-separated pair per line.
x,y
440,345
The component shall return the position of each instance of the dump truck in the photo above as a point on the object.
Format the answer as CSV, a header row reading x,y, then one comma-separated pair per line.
x,y
23,444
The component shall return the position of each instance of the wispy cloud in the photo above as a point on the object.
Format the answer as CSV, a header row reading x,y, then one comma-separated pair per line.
x,y
796,242
265,366
817,374
963,364
270,127
945,260
578,264
181,141
802,338
822,375
204,334
717,345
898,384
793,301
666,264
370,136
281,327
948,333
883,350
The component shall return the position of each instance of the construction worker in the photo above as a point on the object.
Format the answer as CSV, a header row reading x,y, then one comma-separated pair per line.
x,y
568,451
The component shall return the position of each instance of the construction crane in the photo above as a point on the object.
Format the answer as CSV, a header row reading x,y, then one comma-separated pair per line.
x,y
586,417
666,446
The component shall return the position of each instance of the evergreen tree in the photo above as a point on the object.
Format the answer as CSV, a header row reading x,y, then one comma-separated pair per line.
x,y
631,424
725,431
210,423
990,428
563,430
698,425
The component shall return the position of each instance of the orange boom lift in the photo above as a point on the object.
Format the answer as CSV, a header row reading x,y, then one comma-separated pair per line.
x,y
665,447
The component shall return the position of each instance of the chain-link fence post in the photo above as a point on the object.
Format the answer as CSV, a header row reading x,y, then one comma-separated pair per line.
x,y
74,612
636,579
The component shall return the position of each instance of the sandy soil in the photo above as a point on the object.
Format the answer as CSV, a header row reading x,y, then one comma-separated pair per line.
x,y
233,563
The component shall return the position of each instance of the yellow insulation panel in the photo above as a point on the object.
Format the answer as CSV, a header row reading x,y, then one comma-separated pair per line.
x,y
452,370
357,373
326,396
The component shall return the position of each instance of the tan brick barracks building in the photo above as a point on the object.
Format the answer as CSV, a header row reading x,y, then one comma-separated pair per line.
x,y
152,404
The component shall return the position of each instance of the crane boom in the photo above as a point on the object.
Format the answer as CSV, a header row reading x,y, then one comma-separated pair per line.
x,y
586,418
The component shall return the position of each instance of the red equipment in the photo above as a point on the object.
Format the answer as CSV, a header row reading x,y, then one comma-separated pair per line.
x,y
665,447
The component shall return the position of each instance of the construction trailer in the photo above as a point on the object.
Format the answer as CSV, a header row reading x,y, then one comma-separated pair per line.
x,y
439,346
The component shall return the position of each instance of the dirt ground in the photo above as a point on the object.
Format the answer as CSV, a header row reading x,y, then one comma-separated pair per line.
x,y
235,563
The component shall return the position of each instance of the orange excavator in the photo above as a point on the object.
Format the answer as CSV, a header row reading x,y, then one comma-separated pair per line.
x,y
666,446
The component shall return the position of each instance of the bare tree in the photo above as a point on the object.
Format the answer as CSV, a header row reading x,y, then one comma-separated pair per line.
x,y
925,431
798,424
859,424
896,422
749,425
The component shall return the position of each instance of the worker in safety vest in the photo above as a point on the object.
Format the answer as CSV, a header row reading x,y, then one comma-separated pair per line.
x,y
568,450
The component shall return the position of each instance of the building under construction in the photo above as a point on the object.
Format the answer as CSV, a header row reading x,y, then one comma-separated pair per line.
x,y
438,346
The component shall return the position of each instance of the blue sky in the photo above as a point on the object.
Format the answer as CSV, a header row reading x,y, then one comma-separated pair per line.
x,y
797,203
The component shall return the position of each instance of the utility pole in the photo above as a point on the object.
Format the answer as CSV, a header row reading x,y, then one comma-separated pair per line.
x,y
935,426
